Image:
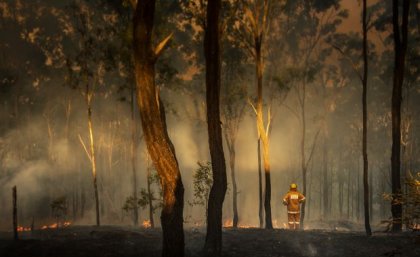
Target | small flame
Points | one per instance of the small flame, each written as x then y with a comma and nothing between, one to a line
22,229
229,224
147,224
56,225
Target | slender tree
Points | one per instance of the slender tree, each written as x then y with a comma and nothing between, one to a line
153,120
213,245
364,103
400,49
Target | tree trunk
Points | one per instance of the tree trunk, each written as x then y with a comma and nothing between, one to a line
364,102
325,176
400,47
232,156
348,193
155,132
358,191
92,154
302,151
213,244
15,220
263,135
133,158
149,194
260,194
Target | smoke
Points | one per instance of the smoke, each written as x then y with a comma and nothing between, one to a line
40,150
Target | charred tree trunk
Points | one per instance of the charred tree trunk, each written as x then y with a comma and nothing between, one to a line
260,192
15,221
364,150
400,48
155,132
133,158
213,244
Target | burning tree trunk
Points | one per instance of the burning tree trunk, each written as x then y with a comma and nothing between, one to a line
153,120
400,48
213,245
364,100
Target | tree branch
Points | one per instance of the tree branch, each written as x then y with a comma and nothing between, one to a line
161,45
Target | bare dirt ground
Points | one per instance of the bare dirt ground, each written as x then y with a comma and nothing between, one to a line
113,241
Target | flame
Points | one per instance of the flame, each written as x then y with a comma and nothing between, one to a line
56,225
147,224
229,224
22,229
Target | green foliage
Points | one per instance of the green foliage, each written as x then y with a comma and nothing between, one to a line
203,180
130,204
144,199
410,200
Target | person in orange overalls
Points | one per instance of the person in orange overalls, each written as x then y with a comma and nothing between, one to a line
292,200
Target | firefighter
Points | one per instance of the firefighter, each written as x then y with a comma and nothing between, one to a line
292,200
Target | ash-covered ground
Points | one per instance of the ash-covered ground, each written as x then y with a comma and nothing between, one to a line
110,241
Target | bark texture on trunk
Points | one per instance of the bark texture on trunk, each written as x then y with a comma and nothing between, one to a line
364,103
400,48
153,120
213,244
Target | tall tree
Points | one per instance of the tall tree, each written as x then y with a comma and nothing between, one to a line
233,112
364,103
213,245
255,27
153,120
400,49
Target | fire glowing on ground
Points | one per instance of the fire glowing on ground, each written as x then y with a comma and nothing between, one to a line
229,224
23,229
147,224
56,225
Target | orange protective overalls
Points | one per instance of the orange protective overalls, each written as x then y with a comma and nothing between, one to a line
293,199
